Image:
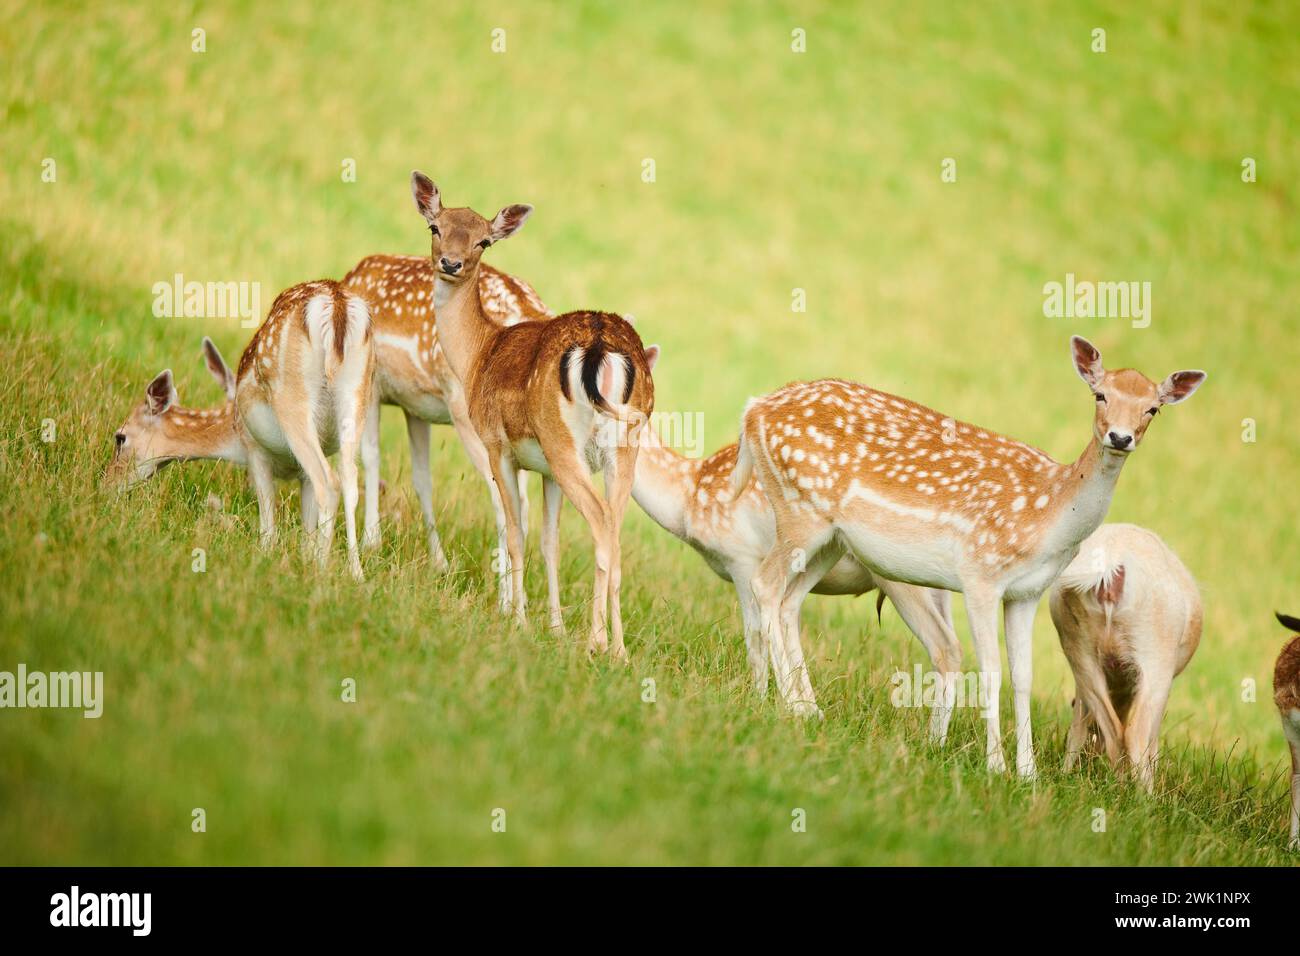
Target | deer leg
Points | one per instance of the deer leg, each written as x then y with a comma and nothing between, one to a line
982,609
308,503
262,476
1077,736
370,459
552,500
767,586
1293,738
523,501
300,434
507,481
478,457
824,556
571,474
1142,727
352,415
417,433
754,647
619,472
1019,619
931,621
1093,696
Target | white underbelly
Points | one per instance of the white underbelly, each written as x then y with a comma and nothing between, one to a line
927,558
422,403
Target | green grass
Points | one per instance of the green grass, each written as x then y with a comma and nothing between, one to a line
775,170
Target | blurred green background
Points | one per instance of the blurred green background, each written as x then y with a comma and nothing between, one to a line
774,171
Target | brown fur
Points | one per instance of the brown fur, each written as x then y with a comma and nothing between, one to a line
1286,678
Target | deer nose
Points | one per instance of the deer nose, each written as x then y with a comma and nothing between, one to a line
1120,441
449,267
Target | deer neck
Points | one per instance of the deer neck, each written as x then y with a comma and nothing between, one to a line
209,433
1090,484
464,331
664,482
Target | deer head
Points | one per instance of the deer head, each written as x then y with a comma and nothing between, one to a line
459,236
1126,399
141,445
158,431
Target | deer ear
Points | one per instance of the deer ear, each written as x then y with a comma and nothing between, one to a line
161,393
1289,622
218,367
425,192
508,221
1087,361
1179,386
651,356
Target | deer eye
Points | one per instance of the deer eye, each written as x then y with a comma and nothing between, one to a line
485,243
1153,411
120,439
1098,396
434,230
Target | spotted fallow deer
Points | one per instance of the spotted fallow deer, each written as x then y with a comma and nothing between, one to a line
1286,694
301,393
1128,614
921,498
412,373
691,499
564,398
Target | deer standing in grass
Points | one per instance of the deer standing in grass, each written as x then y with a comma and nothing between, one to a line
924,499
691,499
1286,694
1128,614
564,398
412,372
301,393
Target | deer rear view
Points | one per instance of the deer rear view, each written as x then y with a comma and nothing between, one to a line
564,398
1128,614
301,393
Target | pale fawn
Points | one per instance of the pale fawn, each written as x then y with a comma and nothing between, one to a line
691,499
928,500
1128,614
412,373
1286,694
564,398
301,393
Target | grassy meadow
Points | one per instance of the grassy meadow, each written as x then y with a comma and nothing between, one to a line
774,171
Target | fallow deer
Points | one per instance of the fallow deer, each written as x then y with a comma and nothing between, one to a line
1128,614
412,373
924,499
690,499
301,393
1286,694
563,398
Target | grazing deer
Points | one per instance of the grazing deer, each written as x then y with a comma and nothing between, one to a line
1286,694
691,499
1128,614
412,373
930,501
301,393
564,398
